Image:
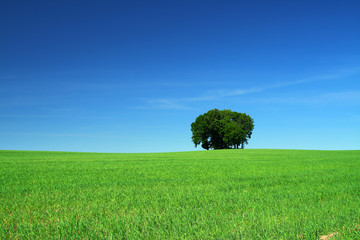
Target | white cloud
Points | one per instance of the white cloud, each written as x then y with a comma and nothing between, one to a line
220,94
334,98
164,104
51,116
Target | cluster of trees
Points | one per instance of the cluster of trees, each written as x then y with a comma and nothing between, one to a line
221,129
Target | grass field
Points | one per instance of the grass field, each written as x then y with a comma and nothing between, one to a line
225,194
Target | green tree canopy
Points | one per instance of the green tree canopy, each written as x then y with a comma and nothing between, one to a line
220,129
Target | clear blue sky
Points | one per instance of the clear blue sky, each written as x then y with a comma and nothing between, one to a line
131,76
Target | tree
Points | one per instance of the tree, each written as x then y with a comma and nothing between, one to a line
220,129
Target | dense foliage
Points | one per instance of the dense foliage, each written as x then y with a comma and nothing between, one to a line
221,129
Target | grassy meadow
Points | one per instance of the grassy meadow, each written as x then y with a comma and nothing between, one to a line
224,194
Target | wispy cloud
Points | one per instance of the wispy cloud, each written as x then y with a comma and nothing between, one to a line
344,97
40,134
333,98
96,135
164,104
51,116
220,94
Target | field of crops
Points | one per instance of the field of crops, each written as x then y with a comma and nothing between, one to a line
225,194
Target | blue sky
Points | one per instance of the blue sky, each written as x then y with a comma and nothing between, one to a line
131,76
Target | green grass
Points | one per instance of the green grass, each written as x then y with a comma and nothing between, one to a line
226,194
